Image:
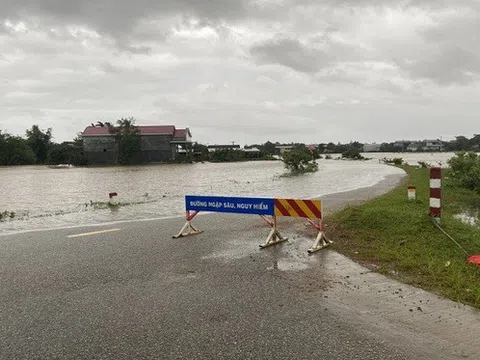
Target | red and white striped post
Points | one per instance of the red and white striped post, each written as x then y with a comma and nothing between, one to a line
112,200
435,193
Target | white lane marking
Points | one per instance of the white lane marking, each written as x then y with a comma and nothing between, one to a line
93,233
109,223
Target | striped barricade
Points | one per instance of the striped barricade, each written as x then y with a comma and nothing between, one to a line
269,209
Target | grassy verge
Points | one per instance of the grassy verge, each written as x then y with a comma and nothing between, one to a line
396,237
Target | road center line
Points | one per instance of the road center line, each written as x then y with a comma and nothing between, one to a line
93,233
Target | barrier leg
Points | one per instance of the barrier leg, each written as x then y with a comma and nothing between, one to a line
188,229
274,237
321,241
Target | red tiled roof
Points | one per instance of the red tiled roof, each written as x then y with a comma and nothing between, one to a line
155,129
91,131
144,130
180,133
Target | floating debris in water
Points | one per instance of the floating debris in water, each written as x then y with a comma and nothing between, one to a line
101,205
6,215
86,207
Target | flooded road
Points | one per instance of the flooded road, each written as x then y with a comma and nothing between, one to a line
136,293
38,197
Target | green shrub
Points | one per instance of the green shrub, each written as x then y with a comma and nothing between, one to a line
227,155
352,153
466,170
297,161
395,161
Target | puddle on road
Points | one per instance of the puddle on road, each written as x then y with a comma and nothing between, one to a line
289,256
288,265
233,251
278,258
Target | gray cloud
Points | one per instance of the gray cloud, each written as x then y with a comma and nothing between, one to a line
434,4
138,49
451,52
447,65
291,53
296,70
119,17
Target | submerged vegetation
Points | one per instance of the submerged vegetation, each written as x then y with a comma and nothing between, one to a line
300,161
6,215
394,161
102,205
89,206
423,164
352,153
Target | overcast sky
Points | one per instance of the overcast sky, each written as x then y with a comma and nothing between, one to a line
244,71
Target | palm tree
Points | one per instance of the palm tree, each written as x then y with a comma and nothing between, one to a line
127,137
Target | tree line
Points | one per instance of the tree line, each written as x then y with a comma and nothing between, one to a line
460,143
37,147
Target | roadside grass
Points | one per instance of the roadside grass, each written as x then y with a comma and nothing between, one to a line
396,237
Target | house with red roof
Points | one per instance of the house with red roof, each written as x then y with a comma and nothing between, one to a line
159,143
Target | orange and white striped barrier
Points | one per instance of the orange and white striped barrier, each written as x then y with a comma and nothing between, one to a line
268,209
310,210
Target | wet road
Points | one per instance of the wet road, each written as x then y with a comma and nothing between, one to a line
136,293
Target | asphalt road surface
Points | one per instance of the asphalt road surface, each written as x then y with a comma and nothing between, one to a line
130,291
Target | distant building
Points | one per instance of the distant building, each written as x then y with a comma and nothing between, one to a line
212,148
432,145
252,150
371,147
283,148
159,143
414,146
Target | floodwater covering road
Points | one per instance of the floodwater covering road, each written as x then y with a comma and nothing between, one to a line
39,197
130,291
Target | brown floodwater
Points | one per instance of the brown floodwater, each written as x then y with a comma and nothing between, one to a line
39,197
